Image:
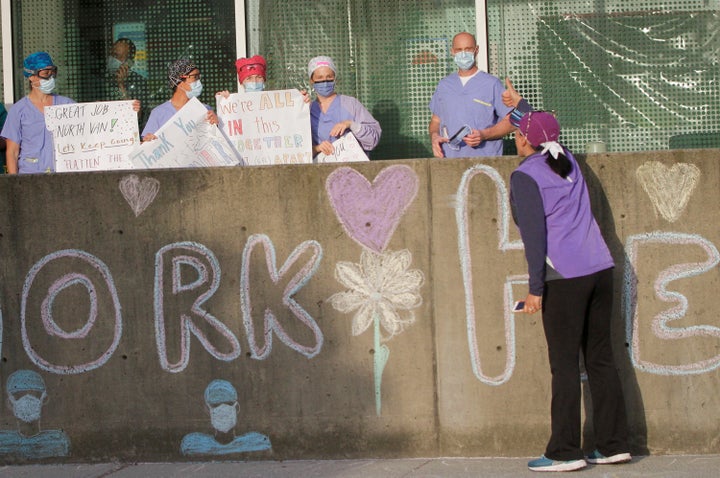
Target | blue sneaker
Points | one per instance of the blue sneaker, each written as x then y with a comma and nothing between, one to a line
597,458
546,464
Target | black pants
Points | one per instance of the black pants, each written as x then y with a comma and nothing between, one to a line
576,316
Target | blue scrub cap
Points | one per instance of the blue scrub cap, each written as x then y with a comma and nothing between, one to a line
25,381
220,391
36,62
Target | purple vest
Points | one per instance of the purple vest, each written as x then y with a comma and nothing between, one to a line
575,246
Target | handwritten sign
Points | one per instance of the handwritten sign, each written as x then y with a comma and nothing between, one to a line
269,127
93,136
347,149
187,140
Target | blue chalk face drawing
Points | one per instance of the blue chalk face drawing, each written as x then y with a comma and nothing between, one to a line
223,407
26,394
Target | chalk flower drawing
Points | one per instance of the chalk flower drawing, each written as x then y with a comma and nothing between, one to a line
382,291
381,286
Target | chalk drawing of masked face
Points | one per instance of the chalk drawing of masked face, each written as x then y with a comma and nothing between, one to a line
224,417
221,402
27,408
26,395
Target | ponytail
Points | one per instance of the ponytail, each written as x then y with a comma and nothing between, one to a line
560,165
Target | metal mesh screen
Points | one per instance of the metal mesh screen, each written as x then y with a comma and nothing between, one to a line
637,75
79,35
389,55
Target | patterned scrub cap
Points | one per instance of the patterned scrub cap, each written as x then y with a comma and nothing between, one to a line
178,69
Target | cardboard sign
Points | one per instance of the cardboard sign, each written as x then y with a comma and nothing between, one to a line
187,140
93,136
269,127
347,150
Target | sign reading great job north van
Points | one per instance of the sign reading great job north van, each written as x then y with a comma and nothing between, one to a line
93,136
187,140
269,127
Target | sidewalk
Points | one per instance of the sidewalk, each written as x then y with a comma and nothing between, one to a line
668,466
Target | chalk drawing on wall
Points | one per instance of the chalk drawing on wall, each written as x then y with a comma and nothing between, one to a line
370,213
382,290
139,194
221,403
189,257
669,189
662,326
107,293
270,323
26,395
504,244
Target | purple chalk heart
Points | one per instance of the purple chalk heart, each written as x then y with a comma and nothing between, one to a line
369,213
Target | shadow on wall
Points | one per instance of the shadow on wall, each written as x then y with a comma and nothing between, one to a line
633,397
393,144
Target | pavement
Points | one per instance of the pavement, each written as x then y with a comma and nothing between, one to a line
666,466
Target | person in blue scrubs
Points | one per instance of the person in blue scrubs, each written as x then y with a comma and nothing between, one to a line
333,115
222,404
29,144
468,102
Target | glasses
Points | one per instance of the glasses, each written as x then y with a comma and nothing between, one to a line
47,73
194,77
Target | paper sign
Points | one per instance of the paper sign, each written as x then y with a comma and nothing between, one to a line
187,140
93,136
269,127
347,150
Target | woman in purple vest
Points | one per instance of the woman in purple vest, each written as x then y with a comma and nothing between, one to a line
571,281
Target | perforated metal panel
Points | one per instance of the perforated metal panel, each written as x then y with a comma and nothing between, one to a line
638,75
389,55
79,35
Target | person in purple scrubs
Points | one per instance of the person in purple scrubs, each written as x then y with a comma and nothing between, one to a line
29,144
333,115
468,115
184,81
571,281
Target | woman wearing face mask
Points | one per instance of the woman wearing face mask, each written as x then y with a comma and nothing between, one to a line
184,80
332,115
252,75
29,144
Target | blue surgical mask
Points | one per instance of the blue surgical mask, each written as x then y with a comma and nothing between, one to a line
254,86
464,60
324,88
195,89
47,86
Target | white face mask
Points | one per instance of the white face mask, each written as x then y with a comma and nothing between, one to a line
47,86
27,408
224,417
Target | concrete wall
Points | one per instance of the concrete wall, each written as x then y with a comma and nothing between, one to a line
128,293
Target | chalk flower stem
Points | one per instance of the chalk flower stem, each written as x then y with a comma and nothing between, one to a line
382,291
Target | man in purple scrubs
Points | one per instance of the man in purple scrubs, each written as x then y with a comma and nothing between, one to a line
468,115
